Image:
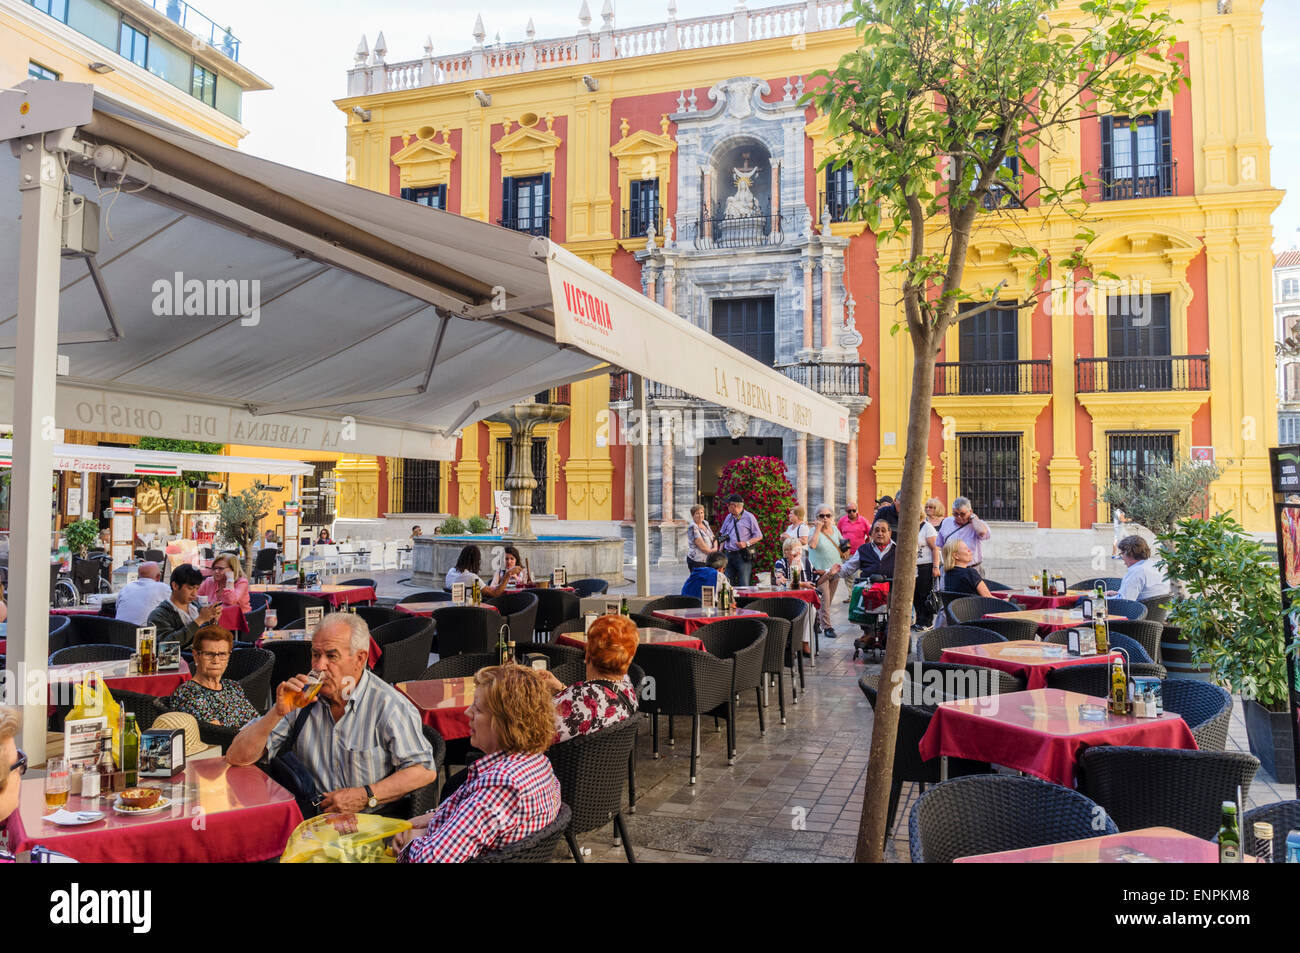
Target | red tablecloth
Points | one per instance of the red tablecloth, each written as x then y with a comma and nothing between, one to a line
442,703
246,817
160,686
1040,732
807,595
685,641
1003,657
1038,600
74,610
694,618
1151,844
335,595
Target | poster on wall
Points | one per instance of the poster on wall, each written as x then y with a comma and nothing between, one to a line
1285,465
122,530
502,500
290,513
74,501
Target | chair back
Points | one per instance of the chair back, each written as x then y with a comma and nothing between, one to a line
1136,651
256,622
553,607
60,632
742,640
465,629
155,556
359,581
984,814
1086,679
258,600
1165,787
101,630
1145,632
557,655
970,608
1013,630
519,609
252,668
592,770
686,681
264,562
428,595
650,622
1206,707
935,641
292,604
376,616
1129,608
1108,583
400,628
459,666
670,602
91,653
536,848
960,681
777,644
291,658
590,586
1157,607
403,660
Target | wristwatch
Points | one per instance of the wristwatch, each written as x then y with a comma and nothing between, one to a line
373,801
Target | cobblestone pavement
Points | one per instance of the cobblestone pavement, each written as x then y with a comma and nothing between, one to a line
794,793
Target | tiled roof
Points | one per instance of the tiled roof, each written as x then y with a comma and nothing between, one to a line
1288,259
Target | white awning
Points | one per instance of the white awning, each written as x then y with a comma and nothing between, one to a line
86,459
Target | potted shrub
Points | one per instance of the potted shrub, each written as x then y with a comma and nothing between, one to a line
478,524
81,535
1231,617
451,526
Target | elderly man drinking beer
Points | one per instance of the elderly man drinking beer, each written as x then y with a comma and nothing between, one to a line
361,740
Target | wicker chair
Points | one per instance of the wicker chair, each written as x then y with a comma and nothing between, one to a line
1157,608
583,588
425,799
360,581
570,672
996,586
776,656
1283,815
536,848
646,621
913,722
553,607
793,611
557,655
256,622
263,563
990,813
592,769
935,641
428,595
465,629
459,666
252,668
1206,708
1013,630
90,653
1165,787
1109,583
146,708
519,610
1087,679
670,602
744,640
1136,650
687,682
406,649
968,610
292,657
376,616
968,681
101,630
291,604
1128,608
1145,632
60,632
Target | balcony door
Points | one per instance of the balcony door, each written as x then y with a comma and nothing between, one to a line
1138,343
747,324
1137,156
988,346
525,204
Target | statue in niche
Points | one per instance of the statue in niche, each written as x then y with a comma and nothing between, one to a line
743,204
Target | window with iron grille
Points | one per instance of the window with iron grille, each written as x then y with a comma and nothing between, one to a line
417,486
988,346
841,191
505,460
643,208
526,204
1137,156
748,324
1131,455
988,474
1137,327
318,495
434,196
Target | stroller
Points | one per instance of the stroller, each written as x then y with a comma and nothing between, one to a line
869,608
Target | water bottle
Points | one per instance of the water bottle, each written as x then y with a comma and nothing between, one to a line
1293,847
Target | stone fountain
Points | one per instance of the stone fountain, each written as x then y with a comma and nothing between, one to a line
523,420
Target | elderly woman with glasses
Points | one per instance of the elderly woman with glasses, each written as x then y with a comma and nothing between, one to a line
228,588
207,696
824,553
13,765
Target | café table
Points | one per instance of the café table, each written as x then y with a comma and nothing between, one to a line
643,636
694,618
1028,660
442,703
302,635
1150,845
1034,598
115,677
245,818
428,608
333,594
75,610
597,603
809,596
1041,731
1052,620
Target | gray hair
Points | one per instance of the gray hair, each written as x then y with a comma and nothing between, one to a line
961,503
827,506
358,631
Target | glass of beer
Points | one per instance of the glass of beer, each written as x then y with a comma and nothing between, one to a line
303,698
56,784
271,619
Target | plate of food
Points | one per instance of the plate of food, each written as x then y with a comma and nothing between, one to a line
138,802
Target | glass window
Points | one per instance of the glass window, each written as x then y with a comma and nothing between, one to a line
95,19
37,71
169,62
55,8
748,324
841,192
1137,156
433,197
204,85
988,474
643,209
1134,454
229,97
988,348
134,45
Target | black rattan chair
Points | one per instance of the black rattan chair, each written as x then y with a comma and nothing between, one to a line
1205,707
583,588
459,666
985,814
60,632
557,655
359,581
465,629
570,672
376,616
252,668
1128,608
428,595
592,770
793,611
1087,679
745,641
405,649
686,682
1145,632
519,610
256,622
1165,787
553,607
996,586
643,621
1283,815
1157,608
292,657
90,653
967,610
1013,630
1135,649
536,848
146,708
425,799
1109,583
966,681
101,630
776,653
292,604
264,564
935,641
670,602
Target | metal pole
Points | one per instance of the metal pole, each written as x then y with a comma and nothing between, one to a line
641,485
40,183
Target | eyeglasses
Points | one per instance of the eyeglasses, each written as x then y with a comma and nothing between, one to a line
20,765
214,656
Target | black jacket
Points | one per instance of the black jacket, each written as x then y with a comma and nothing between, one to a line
171,627
871,564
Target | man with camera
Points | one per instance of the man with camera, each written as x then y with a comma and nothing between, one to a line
739,534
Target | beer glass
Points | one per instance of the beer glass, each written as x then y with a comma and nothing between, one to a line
303,698
56,784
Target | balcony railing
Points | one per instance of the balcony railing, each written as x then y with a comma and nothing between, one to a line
620,389
829,378
713,230
181,13
531,224
637,221
999,196
992,377
556,395
840,204
1153,180
1111,374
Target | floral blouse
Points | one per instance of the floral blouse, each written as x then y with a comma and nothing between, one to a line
229,707
589,706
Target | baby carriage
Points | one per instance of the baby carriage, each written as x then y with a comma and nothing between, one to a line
869,608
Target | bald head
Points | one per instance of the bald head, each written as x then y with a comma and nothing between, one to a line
150,571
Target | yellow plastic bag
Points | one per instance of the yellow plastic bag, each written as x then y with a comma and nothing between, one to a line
92,699
344,839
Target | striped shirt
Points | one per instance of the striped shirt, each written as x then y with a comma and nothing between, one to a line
505,798
378,735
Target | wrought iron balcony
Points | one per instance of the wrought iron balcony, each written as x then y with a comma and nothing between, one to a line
1146,180
713,230
637,221
1115,374
532,224
829,378
842,204
620,389
992,377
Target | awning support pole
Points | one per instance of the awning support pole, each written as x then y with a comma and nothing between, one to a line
40,184
641,484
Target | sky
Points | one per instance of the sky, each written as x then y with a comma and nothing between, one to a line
304,50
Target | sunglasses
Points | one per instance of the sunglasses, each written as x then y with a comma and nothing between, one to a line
823,516
20,765
852,511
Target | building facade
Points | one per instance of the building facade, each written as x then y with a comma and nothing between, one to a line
676,156
1286,328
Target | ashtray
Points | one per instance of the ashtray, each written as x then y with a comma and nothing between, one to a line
1092,712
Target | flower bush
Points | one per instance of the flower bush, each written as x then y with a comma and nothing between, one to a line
762,484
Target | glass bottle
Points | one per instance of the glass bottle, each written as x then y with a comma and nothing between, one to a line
1229,838
1263,832
1118,689
131,751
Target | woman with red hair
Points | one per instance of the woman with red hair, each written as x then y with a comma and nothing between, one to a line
606,696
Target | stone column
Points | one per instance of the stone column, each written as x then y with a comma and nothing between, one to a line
807,265
827,294
775,233
828,473
628,463
851,463
666,466
667,282
801,469
706,212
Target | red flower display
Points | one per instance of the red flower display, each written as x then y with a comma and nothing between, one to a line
762,484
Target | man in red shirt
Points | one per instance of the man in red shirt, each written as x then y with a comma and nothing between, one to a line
853,526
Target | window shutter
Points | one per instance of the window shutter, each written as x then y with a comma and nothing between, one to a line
442,196
545,223
1107,154
406,194
1164,136
508,202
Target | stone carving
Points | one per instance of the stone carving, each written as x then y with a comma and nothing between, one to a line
743,204
849,337
650,237
737,423
668,233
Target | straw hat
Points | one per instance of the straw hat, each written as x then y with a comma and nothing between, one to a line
194,745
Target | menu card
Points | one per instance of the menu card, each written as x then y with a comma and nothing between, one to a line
81,743
169,656
708,597
458,593
611,608
587,619
557,578
311,617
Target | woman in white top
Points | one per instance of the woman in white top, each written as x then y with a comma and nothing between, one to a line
467,571
512,571
928,565
700,538
798,528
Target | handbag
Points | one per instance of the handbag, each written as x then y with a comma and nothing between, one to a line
933,602
288,771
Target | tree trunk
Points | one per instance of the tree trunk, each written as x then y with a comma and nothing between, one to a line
884,733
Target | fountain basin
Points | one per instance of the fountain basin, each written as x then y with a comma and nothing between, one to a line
583,557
